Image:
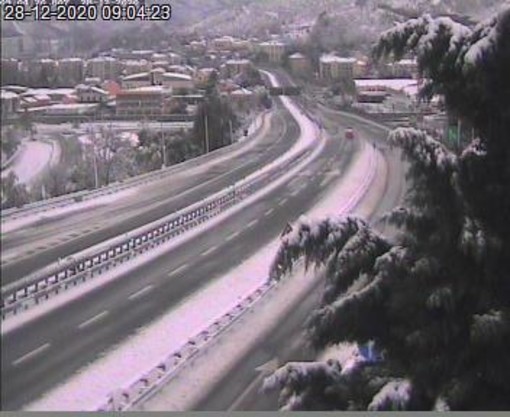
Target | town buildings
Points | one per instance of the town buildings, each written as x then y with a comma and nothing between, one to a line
332,67
274,50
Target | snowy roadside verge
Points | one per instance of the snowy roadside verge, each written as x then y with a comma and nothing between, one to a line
35,291
16,218
193,383
259,127
141,351
70,395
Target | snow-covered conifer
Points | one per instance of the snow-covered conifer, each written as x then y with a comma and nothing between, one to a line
435,300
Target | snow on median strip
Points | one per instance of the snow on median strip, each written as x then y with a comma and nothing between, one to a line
142,351
195,381
307,138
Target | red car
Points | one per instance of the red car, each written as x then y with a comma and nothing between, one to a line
349,133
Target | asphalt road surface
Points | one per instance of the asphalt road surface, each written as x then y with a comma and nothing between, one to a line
49,349
32,247
240,389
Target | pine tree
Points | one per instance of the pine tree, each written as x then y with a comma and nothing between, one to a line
435,300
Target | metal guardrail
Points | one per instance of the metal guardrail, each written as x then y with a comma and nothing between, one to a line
143,387
68,199
78,268
150,382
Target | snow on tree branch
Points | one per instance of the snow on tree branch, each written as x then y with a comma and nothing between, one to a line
304,385
394,396
482,41
317,241
423,35
423,149
489,327
337,321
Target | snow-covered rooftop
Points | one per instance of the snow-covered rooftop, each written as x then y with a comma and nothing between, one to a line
176,76
330,58
7,95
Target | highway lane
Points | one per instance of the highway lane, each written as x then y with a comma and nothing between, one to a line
239,390
35,246
49,349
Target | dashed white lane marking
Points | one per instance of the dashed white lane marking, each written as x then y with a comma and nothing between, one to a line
31,354
92,320
267,213
232,236
325,181
252,223
141,292
209,251
180,269
283,202
295,192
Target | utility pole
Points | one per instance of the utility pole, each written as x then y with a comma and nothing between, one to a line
92,137
206,134
163,147
231,133
96,175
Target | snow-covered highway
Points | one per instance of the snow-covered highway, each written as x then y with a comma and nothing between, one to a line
49,350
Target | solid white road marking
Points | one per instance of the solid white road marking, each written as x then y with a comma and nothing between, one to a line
141,292
31,354
92,320
180,269
209,251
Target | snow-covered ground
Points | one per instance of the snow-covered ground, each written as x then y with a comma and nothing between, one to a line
405,85
32,160
193,382
17,223
111,371
261,121
130,137
146,348
76,292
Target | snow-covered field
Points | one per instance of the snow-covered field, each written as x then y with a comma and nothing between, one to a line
32,160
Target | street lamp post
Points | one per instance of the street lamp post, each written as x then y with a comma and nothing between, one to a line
94,156
206,134
163,148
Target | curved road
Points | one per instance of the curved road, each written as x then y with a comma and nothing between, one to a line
44,352
32,247
239,390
